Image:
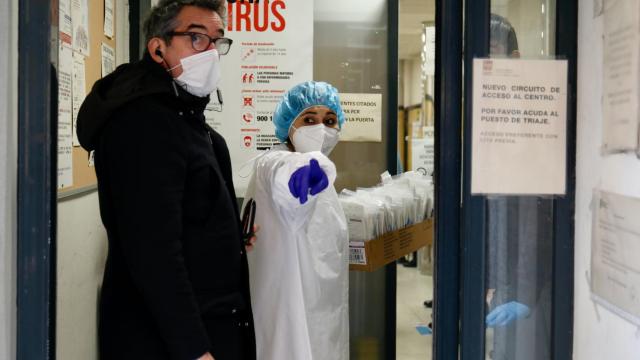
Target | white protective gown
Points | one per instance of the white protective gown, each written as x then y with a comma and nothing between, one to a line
299,266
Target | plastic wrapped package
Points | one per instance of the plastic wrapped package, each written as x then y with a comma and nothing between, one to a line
360,219
391,209
423,188
399,201
403,193
367,215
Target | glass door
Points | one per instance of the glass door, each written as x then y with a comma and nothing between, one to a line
517,271
416,65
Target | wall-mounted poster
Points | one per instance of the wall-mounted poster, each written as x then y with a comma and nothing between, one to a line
65,124
272,51
621,69
363,117
519,127
615,248
80,22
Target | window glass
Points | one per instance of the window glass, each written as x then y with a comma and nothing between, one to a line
520,229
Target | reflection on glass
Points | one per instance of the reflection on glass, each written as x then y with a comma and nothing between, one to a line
519,229
519,278
350,52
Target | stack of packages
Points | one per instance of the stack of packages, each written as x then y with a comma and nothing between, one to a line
398,202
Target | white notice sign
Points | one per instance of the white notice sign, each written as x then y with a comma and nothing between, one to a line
429,51
78,92
519,126
363,117
65,127
64,21
108,59
80,22
108,18
615,249
422,153
621,71
272,51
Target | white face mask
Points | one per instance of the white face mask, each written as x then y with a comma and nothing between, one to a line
315,138
200,73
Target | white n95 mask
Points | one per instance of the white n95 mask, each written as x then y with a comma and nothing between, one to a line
315,138
200,73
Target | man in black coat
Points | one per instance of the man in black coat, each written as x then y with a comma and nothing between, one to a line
176,278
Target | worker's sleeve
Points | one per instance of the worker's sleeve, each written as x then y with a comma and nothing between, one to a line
276,168
146,164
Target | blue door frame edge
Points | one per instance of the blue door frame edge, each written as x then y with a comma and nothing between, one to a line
392,163
477,17
37,144
448,145
564,208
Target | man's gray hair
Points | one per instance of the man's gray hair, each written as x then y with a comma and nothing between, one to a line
162,19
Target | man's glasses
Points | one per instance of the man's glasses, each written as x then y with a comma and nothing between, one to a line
201,42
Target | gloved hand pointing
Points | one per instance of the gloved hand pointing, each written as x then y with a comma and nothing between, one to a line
309,179
507,313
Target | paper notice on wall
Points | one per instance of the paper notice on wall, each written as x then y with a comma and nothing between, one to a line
80,22
363,117
108,59
621,73
519,127
272,51
615,249
429,51
422,153
108,18
78,91
65,126
64,21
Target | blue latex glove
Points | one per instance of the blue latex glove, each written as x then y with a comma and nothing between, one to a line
309,179
505,314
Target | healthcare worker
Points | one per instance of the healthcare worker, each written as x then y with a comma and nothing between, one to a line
299,269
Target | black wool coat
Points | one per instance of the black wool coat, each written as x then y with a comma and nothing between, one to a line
176,277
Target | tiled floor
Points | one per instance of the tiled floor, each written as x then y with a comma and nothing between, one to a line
413,289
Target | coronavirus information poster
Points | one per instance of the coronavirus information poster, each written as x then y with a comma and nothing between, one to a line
272,51
519,127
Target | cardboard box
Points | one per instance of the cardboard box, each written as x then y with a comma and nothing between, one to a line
374,254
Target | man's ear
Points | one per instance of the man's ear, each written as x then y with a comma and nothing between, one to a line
156,48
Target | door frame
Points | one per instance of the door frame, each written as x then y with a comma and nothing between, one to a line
37,174
473,239
392,166
447,180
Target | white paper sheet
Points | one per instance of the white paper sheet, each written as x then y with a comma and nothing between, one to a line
78,91
621,73
363,113
519,127
422,153
429,50
615,246
108,18
64,21
108,59
80,21
65,126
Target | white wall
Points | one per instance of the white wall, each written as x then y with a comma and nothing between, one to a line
8,168
81,256
598,333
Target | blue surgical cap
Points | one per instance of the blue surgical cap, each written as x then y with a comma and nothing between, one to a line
302,97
